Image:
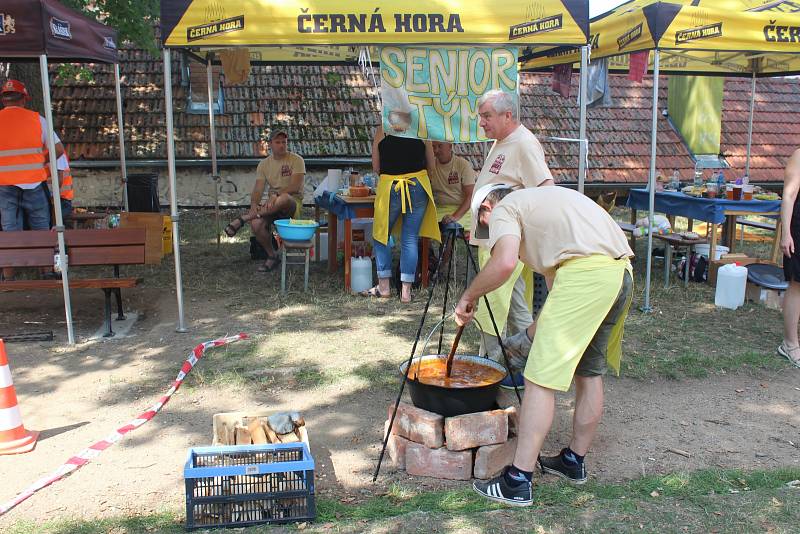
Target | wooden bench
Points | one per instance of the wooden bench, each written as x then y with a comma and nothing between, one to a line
113,248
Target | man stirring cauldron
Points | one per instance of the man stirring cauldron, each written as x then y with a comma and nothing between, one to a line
580,250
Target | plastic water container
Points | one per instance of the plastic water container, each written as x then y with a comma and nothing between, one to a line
704,248
361,274
731,285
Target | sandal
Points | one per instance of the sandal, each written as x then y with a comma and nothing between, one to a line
230,230
374,292
786,351
270,265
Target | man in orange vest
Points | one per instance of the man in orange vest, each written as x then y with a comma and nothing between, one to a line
65,183
23,163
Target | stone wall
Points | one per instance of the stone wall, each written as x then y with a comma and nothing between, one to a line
102,188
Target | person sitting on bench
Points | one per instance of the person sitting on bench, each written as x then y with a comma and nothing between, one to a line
284,173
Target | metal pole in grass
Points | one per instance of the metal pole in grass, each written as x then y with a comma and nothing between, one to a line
750,125
213,142
408,370
651,184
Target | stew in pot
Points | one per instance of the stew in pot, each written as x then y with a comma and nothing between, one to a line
464,374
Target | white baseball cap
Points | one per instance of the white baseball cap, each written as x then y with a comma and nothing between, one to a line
481,230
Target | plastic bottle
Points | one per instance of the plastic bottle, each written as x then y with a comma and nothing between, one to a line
360,274
675,181
698,178
731,285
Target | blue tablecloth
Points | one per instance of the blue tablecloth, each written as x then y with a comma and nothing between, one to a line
704,209
334,204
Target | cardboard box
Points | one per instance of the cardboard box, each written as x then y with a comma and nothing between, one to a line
153,223
771,298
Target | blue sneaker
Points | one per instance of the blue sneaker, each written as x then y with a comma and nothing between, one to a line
511,379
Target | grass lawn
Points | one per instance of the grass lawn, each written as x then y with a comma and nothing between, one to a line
704,501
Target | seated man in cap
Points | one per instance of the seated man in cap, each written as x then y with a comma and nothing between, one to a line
282,175
581,251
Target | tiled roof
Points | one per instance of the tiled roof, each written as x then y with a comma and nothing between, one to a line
331,112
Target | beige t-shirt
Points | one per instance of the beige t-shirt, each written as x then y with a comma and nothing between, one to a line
278,172
448,178
555,224
517,160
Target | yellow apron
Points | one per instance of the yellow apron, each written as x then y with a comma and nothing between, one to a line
401,182
500,298
584,290
449,209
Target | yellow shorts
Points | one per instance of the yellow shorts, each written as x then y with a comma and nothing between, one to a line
583,293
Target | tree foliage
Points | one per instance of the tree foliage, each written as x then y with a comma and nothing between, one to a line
135,20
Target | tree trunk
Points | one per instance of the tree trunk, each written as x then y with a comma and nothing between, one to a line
28,73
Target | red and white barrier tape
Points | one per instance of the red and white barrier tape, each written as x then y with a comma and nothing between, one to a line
89,454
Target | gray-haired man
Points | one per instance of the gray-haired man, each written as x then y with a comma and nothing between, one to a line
516,159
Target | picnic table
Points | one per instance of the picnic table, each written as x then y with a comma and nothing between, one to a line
714,211
348,208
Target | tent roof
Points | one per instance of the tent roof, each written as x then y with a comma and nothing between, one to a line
251,23
724,37
30,28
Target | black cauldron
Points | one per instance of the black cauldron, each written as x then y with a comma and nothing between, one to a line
450,402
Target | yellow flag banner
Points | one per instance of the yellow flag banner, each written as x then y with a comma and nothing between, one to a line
432,92
211,23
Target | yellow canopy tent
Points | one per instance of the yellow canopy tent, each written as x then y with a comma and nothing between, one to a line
335,31
755,38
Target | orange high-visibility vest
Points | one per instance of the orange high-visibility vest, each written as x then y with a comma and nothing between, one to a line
22,156
66,183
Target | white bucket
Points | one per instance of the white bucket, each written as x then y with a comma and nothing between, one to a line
731,285
360,274
704,248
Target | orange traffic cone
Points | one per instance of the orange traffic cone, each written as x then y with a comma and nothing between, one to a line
14,439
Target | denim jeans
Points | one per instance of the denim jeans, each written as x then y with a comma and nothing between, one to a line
33,204
409,235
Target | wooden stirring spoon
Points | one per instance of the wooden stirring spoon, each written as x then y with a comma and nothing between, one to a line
453,350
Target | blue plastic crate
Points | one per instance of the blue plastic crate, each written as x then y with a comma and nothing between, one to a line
237,486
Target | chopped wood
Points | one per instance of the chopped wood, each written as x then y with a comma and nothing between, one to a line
272,437
289,438
680,452
257,433
243,436
303,434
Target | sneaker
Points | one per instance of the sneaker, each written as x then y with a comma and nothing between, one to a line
498,490
511,379
555,465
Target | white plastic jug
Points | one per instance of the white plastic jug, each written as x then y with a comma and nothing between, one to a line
731,285
360,274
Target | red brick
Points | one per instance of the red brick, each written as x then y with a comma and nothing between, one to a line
513,420
396,447
438,463
491,459
418,425
476,429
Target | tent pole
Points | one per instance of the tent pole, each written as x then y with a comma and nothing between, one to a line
584,143
122,164
173,198
59,226
750,123
651,184
213,136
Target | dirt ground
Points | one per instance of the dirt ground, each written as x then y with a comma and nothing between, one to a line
334,358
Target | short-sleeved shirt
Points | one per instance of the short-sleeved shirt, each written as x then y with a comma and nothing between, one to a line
278,172
517,160
448,178
556,224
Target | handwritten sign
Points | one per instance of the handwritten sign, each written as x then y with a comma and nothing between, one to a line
432,92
